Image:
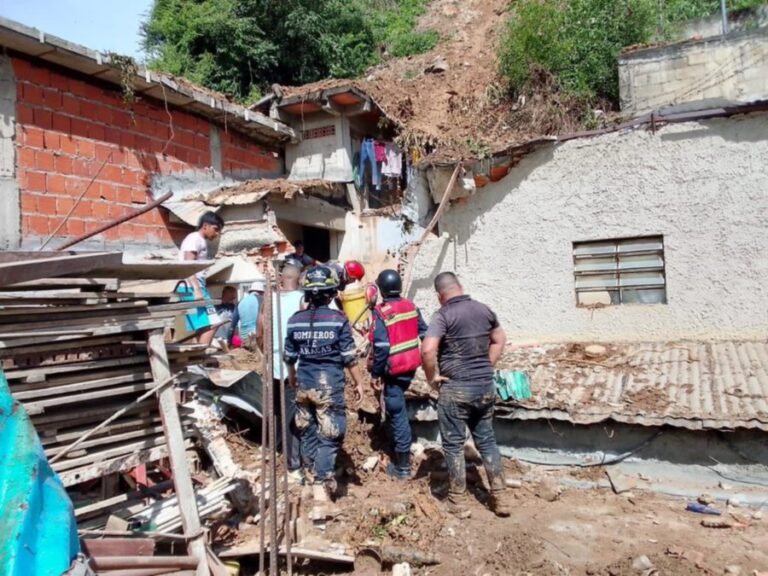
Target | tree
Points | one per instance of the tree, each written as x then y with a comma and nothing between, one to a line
240,47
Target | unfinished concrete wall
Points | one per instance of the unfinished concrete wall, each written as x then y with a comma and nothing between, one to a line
703,186
734,68
10,204
322,151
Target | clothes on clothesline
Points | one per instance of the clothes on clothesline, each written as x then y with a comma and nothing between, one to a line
393,160
368,154
379,150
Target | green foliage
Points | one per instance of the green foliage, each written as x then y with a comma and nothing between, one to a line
578,41
240,47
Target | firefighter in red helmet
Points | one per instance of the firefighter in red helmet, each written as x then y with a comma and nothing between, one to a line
393,361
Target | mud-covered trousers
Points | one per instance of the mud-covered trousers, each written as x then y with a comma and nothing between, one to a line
322,421
464,405
397,414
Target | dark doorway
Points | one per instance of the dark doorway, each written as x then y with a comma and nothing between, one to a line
317,243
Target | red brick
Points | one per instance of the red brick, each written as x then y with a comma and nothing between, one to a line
138,196
127,140
75,227
112,134
101,211
64,205
60,82
107,192
104,115
68,145
28,203
62,123
37,224
52,99
86,149
103,152
83,209
122,119
112,173
77,87
26,157
52,141
80,127
21,68
82,167
32,94
56,183
40,75
70,105
33,137
45,161
25,114
96,132
34,181
43,118
46,205
117,211
64,165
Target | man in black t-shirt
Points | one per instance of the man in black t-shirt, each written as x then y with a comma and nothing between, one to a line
462,344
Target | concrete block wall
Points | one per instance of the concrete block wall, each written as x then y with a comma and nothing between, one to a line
71,130
733,68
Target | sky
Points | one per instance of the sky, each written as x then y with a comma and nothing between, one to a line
103,25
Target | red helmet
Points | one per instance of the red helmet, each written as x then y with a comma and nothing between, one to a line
354,270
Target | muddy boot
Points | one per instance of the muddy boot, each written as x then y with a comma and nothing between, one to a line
400,467
458,505
500,503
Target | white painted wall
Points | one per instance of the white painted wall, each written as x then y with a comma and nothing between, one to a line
326,157
704,186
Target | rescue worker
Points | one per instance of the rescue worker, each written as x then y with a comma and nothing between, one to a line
319,340
463,343
346,273
396,329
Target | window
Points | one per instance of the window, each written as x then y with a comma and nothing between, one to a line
622,271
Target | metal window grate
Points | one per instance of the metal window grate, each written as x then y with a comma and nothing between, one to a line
620,271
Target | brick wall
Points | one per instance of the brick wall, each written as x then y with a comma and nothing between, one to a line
734,68
74,134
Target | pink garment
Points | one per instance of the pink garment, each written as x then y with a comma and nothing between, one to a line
380,151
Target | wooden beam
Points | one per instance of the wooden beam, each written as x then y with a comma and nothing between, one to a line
83,264
182,480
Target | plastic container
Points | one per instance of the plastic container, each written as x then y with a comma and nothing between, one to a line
513,385
233,568
702,509
354,304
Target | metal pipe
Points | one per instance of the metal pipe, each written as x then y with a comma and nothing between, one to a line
724,14
273,546
266,377
117,221
285,426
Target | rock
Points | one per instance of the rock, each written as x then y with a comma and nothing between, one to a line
370,463
757,515
620,482
641,564
735,502
439,66
402,569
548,490
705,499
724,485
733,570
513,483
595,351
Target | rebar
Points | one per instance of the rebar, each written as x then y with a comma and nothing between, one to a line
285,426
265,387
274,549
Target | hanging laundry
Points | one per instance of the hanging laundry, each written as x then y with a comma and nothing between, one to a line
368,154
380,151
393,162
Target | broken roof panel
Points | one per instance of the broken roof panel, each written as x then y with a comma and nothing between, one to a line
694,385
252,191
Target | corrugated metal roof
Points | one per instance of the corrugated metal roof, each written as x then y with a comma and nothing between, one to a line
693,385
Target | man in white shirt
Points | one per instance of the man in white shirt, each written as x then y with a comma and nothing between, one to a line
195,247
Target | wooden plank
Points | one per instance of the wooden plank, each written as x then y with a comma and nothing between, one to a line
10,347
89,510
90,284
100,455
149,269
252,549
120,464
98,394
83,376
182,479
61,347
130,423
60,310
88,322
77,367
34,391
109,439
118,546
81,264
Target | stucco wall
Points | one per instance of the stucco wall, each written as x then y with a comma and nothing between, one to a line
704,186
320,156
734,68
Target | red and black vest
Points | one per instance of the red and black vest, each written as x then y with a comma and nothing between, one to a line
402,322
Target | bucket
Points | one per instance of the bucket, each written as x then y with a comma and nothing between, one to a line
233,568
354,304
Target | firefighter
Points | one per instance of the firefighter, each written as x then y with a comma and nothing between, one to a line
318,347
394,358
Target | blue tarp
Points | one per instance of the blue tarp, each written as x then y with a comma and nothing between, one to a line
38,533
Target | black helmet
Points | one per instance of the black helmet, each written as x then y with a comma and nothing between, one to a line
319,280
390,283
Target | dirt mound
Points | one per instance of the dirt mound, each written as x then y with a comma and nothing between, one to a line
453,98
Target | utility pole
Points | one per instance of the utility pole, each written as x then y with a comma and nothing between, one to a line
724,13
